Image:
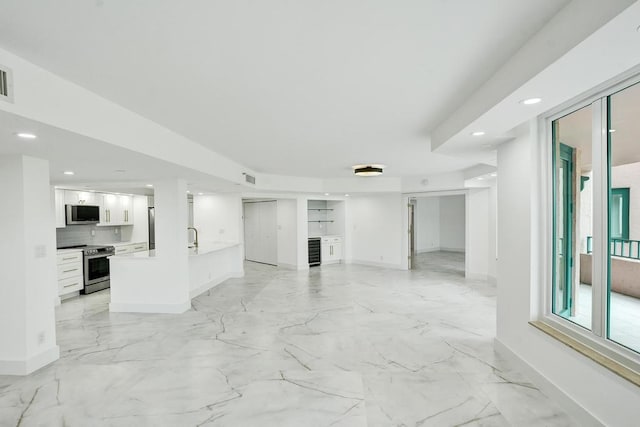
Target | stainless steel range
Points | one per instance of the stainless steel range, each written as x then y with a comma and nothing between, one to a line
96,267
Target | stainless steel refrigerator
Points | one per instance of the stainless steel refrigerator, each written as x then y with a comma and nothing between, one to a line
152,228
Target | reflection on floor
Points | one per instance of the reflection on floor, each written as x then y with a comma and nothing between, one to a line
625,316
440,262
338,345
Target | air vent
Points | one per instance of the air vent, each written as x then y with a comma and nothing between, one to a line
6,84
250,179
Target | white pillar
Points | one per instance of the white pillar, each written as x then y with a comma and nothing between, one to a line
477,233
28,284
157,282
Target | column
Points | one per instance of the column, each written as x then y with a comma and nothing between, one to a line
157,281
28,285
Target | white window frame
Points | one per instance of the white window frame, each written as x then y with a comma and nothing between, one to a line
596,337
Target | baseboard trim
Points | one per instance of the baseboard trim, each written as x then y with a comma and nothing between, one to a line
26,367
425,251
459,250
563,400
375,264
150,308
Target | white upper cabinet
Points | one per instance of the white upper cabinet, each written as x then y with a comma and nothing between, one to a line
72,197
116,209
126,208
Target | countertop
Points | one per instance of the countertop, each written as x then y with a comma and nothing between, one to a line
68,251
118,244
202,249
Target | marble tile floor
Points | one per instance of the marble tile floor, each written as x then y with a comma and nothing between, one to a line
339,345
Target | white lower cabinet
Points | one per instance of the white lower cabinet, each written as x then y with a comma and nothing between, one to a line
70,272
331,250
130,248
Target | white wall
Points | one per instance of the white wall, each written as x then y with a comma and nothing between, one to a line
427,224
287,234
477,238
375,229
452,223
571,379
218,217
492,252
28,284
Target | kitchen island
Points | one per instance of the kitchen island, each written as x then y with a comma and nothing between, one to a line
141,281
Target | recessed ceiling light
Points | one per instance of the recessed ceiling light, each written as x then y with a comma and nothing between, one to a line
346,195
368,170
478,133
188,191
200,194
26,135
68,172
149,185
480,178
531,101
326,194
494,174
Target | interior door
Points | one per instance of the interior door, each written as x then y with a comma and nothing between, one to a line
260,232
269,232
251,231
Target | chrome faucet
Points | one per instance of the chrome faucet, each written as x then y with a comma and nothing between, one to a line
195,242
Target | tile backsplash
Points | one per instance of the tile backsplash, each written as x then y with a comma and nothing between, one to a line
81,235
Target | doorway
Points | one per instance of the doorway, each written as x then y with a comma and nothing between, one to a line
437,234
260,232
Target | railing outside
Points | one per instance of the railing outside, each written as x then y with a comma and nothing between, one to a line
623,248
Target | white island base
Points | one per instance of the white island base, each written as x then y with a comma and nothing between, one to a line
142,282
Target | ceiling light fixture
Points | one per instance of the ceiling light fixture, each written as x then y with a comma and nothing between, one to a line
478,133
200,194
25,135
346,195
68,172
494,174
368,170
326,194
531,101
149,185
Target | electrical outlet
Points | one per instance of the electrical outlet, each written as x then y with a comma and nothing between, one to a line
115,230
41,337
93,232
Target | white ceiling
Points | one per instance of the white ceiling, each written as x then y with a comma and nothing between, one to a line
96,165
303,88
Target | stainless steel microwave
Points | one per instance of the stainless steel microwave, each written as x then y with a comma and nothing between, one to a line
82,214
